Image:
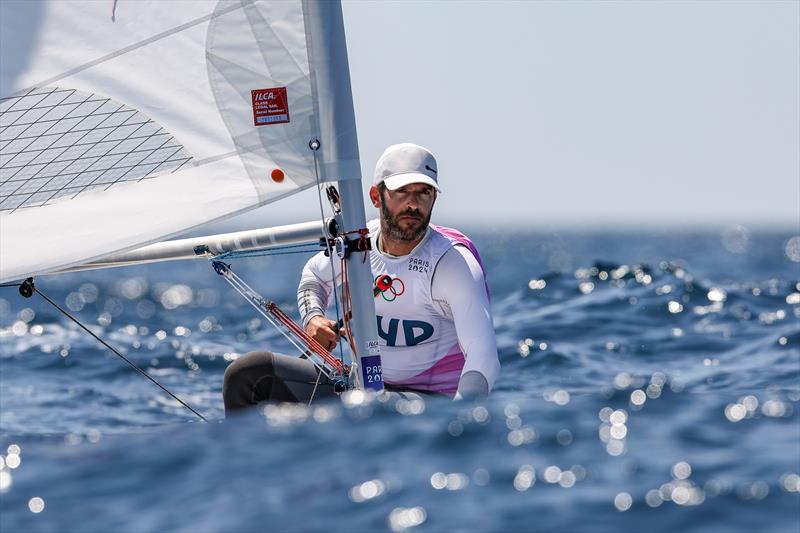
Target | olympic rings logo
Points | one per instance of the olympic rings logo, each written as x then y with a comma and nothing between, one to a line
386,285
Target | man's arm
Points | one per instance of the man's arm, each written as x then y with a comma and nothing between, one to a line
458,286
313,294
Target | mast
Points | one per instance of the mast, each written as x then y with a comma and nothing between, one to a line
339,160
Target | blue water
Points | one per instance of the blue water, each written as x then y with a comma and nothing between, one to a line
650,382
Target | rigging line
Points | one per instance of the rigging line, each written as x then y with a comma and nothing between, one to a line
313,392
339,318
134,46
309,248
261,305
131,363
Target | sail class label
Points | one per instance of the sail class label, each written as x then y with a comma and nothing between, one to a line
270,106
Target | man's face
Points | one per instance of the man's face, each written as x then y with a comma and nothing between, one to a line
405,212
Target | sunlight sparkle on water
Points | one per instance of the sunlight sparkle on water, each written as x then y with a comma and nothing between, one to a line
19,328
410,407
615,447
325,413
456,481
638,397
537,284
404,518
525,478
681,470
286,414
480,414
36,504
524,435
586,287
653,498
13,461
5,480
552,474
776,408
367,490
455,428
567,479
623,501
564,437
559,397
674,307
176,296
622,381
618,417
735,412
513,422
790,482
792,249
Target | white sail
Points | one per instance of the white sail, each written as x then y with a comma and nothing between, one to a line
123,123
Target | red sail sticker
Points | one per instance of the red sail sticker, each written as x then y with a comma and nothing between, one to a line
270,106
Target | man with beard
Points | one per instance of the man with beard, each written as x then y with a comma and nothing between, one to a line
432,303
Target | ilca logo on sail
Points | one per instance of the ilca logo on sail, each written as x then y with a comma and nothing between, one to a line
270,106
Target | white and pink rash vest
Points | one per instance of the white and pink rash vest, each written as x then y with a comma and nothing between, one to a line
426,323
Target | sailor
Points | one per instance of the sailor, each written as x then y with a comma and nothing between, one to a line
432,301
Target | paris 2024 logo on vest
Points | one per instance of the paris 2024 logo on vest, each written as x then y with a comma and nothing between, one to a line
414,331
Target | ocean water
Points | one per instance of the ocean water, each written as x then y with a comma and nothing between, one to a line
650,382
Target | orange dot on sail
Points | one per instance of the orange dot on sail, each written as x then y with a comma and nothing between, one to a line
277,175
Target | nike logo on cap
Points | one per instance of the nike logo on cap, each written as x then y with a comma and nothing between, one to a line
431,169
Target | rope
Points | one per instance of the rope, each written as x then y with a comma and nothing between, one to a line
295,249
275,315
341,317
314,392
131,363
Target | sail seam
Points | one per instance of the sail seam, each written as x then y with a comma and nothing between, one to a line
137,45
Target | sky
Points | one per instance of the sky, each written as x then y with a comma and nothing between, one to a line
607,114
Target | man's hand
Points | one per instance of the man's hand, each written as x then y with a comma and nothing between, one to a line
323,331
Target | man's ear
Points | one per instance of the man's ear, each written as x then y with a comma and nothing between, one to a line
375,196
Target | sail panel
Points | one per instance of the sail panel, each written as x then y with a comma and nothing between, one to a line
260,51
74,231
70,142
124,123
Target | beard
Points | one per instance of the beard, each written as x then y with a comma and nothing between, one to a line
390,225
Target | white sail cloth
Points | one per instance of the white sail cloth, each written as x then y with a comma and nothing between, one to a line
145,119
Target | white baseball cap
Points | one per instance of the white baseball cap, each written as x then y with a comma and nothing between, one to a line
405,163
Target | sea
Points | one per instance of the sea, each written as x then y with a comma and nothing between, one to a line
650,383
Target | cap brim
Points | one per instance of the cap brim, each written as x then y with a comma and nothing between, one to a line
401,180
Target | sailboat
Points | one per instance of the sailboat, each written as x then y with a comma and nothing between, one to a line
124,124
